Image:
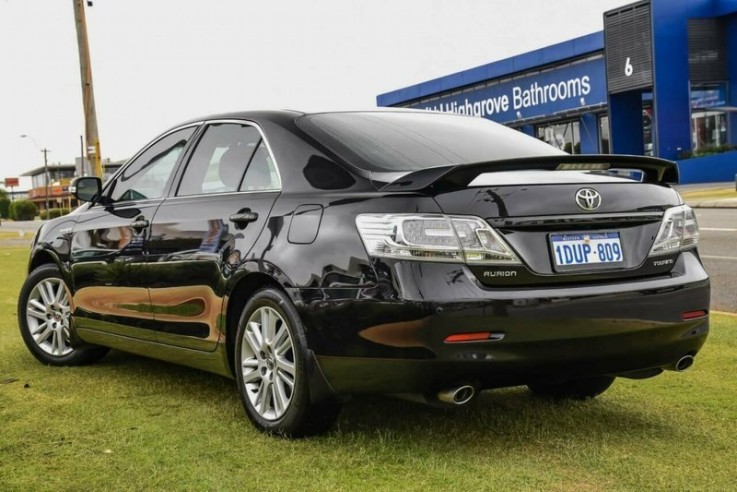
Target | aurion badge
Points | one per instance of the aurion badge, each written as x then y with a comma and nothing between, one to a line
588,199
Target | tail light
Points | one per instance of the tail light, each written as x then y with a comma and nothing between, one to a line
679,231
434,238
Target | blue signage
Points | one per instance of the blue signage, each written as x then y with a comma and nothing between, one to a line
709,97
541,94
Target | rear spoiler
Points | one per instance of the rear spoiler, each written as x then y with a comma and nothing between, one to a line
456,176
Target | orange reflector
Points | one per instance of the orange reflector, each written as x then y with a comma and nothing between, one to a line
693,314
468,337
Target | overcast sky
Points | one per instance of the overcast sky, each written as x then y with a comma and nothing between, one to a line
158,62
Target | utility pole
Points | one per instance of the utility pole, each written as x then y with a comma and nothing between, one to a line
88,94
46,178
45,152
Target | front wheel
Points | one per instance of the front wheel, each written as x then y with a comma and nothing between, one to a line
271,369
575,389
44,318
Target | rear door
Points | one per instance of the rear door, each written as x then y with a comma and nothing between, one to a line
108,259
206,228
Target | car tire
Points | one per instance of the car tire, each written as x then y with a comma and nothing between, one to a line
44,318
271,368
574,389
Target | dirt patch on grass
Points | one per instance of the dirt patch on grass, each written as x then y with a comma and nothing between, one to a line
714,194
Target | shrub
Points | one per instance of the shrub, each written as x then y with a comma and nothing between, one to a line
23,210
53,213
4,208
710,150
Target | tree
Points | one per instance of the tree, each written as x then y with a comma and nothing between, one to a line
4,206
23,210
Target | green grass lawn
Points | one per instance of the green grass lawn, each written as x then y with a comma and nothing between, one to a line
137,424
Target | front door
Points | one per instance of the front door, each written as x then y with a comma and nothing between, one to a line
201,234
108,249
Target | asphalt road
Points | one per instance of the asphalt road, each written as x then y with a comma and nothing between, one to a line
22,225
717,246
718,249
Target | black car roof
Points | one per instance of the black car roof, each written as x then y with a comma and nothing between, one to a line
248,115
281,114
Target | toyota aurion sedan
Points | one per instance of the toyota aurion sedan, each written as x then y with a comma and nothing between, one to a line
423,255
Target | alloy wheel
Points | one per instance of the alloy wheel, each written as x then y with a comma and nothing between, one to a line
268,363
48,315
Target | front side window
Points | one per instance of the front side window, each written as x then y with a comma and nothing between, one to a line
220,159
147,175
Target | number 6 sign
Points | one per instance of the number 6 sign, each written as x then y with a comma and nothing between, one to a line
628,67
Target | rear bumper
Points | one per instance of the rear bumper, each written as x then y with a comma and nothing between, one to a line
392,340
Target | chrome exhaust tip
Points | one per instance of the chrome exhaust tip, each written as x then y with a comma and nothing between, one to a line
684,363
457,395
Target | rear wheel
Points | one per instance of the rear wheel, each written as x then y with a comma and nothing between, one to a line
271,369
575,389
44,318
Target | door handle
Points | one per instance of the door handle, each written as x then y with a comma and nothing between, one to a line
139,224
244,218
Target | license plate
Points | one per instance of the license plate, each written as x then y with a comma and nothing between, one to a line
573,250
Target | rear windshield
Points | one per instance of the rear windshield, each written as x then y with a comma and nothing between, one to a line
410,141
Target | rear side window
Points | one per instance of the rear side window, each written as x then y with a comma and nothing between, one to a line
220,159
409,141
147,175
261,174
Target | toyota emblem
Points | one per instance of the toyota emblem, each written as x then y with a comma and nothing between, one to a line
588,199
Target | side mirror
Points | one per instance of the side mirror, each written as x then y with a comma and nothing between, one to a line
86,189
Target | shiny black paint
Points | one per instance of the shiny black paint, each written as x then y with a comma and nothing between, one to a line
106,251
555,200
379,325
191,255
442,179
526,215
548,332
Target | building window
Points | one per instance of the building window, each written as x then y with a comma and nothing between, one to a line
565,136
708,129
59,174
708,121
647,128
38,180
604,135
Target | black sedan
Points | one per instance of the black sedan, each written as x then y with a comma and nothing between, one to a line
423,255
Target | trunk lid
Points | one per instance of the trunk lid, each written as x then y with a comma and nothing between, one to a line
535,205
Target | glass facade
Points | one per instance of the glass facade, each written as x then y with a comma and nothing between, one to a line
647,128
55,174
708,129
709,122
604,134
565,135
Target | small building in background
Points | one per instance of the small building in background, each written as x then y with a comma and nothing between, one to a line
60,177
17,195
